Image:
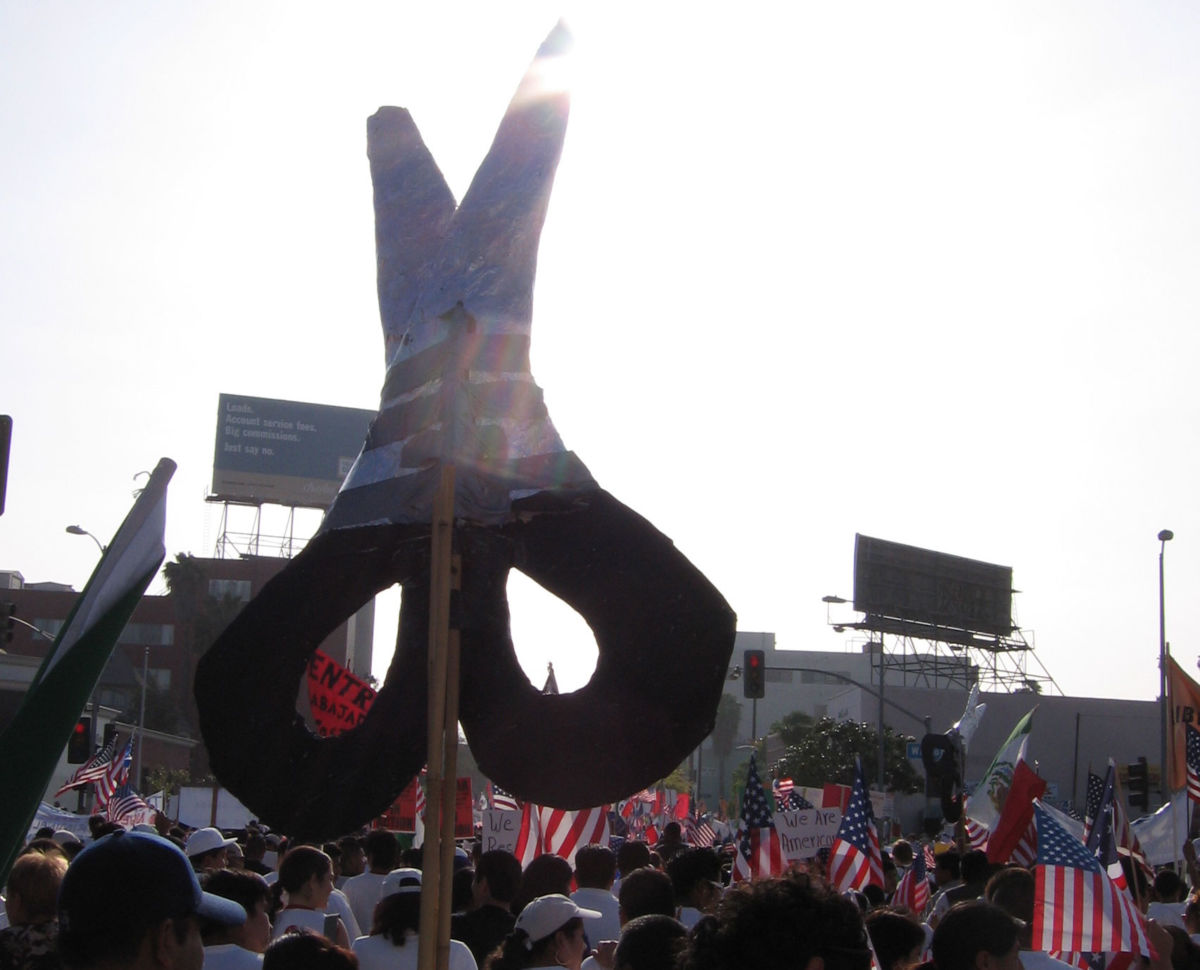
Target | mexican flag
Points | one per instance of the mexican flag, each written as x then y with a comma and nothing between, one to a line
37,735
987,800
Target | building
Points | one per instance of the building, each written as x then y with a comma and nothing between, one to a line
158,647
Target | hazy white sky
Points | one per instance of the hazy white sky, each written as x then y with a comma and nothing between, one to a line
922,271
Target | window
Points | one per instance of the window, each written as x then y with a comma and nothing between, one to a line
238,589
148,634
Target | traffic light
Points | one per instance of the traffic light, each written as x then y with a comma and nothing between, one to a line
1139,785
754,674
9,612
79,747
110,730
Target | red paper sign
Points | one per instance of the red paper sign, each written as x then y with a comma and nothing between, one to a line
338,698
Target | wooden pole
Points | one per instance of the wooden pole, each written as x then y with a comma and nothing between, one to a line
434,945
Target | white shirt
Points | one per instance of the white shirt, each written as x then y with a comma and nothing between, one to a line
362,892
230,956
338,903
300,919
608,926
380,953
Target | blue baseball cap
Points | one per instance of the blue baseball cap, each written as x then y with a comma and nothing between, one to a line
135,872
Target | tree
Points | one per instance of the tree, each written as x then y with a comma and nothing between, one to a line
825,751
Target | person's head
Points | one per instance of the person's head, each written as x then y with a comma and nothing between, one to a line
462,894
1185,955
946,867
545,875
1169,888
306,874
898,940
208,849
976,935
383,851
549,932
902,853
497,877
757,922
256,846
633,854
33,887
398,912
250,891
307,951
354,860
1012,889
595,867
649,943
974,867
132,900
696,876
646,892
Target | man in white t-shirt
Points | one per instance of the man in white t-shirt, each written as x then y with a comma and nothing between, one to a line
362,891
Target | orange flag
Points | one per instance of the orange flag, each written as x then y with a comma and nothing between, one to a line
1183,701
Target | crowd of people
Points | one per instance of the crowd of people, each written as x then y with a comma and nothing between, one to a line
207,900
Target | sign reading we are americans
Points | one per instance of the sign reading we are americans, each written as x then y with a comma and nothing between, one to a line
804,832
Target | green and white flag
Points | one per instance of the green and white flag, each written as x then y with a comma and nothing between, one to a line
986,801
32,743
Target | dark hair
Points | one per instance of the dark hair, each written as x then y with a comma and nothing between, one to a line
395,915
461,896
758,921
646,892
971,928
633,854
948,860
307,951
1012,889
244,887
595,866
1168,887
1185,955
518,951
502,871
894,936
544,875
300,865
974,866
648,943
382,850
902,852
691,867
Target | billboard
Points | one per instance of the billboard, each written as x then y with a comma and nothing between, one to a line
922,586
284,452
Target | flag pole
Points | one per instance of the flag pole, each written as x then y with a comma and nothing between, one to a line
433,947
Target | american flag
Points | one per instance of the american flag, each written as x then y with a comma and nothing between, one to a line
913,888
759,852
1193,763
700,833
553,831
126,806
782,787
855,861
1077,908
502,800
116,776
797,802
1091,805
977,834
95,768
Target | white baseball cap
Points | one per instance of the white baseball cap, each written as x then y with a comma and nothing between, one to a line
205,840
400,881
546,914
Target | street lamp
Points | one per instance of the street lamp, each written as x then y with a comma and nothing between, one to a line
1165,536
76,530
